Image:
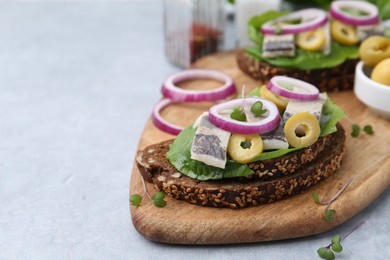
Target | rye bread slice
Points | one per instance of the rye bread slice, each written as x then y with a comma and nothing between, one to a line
326,80
238,193
289,163
264,170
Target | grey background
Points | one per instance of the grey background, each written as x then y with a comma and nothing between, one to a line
78,81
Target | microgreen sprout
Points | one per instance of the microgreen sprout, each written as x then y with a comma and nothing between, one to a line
355,130
327,252
257,108
278,29
238,114
329,213
243,98
157,199
368,129
135,200
246,144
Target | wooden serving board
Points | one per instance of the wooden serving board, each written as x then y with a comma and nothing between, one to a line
367,160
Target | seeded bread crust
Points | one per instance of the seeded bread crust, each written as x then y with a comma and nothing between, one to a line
238,193
326,80
264,170
287,164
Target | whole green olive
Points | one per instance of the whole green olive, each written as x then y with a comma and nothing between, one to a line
381,72
374,49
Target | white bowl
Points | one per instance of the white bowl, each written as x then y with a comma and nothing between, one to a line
373,94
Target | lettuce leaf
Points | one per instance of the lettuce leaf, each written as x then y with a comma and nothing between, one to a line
303,60
274,154
300,4
331,114
383,8
306,60
255,92
179,155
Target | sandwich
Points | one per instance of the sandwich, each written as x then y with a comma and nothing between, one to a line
312,45
278,141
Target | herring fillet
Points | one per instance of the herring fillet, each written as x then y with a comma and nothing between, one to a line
313,107
365,31
278,46
328,40
210,143
277,139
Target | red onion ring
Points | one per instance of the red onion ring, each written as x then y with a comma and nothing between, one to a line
312,18
160,122
337,13
301,90
169,90
266,125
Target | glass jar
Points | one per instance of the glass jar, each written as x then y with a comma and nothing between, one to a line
245,10
192,29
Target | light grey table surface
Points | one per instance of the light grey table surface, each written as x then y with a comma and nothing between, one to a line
78,81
